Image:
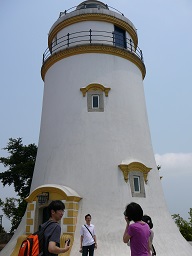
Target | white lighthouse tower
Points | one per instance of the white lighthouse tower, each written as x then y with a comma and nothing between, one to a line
95,152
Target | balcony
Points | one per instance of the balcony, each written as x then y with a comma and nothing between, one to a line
92,37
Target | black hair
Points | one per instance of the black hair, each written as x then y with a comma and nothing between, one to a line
148,220
88,215
133,211
55,205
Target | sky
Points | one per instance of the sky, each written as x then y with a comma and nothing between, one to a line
165,37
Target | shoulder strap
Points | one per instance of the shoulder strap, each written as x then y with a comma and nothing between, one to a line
49,222
153,248
89,231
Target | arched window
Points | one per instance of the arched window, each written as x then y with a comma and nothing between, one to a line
95,97
136,173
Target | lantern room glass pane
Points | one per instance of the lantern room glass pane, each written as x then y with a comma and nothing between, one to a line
119,37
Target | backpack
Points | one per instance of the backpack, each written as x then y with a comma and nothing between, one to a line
34,243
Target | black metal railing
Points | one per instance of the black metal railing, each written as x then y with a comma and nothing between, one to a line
74,8
92,37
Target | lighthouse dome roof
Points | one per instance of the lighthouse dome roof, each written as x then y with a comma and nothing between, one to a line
91,7
92,4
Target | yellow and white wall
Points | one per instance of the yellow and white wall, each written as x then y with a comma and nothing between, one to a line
89,159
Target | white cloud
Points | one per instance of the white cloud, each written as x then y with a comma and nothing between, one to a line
175,164
176,169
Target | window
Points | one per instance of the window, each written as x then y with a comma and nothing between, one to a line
85,6
136,174
95,101
54,41
92,4
119,37
95,96
136,184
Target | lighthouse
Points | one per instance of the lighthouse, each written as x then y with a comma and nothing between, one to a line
95,151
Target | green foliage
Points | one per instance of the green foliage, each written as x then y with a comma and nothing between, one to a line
184,226
20,166
14,210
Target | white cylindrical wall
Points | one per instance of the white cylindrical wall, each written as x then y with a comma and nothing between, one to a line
66,121
82,149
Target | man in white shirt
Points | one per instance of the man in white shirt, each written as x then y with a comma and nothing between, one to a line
88,237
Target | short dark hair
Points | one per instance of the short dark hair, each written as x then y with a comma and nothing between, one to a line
56,205
88,215
148,220
133,211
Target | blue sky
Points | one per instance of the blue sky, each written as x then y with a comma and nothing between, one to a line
164,31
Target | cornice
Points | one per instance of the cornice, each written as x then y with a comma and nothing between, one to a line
91,48
93,17
95,87
56,190
134,166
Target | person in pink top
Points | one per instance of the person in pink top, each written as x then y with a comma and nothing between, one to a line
137,232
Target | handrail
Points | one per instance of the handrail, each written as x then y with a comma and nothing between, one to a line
92,37
115,10
74,8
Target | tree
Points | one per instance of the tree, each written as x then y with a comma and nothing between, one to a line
184,226
20,164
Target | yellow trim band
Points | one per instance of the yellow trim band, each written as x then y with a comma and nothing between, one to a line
93,17
71,229
71,221
103,49
29,222
72,205
31,207
59,191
